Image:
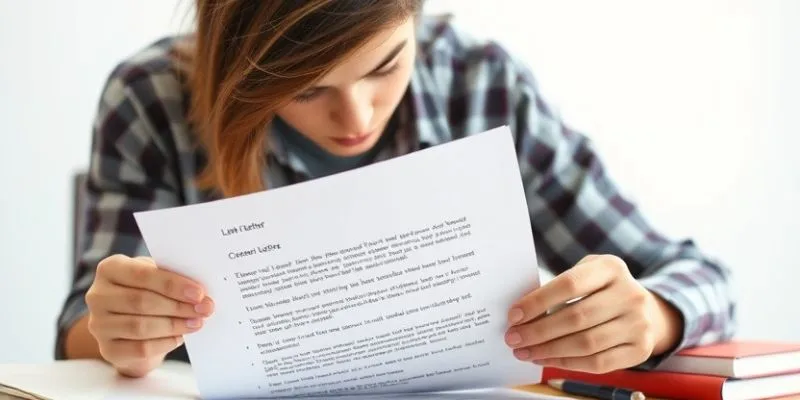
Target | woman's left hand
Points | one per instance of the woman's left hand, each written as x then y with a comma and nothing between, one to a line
616,324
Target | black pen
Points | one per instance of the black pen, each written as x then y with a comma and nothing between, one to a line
595,391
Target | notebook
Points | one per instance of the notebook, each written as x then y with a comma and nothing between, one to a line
736,359
675,385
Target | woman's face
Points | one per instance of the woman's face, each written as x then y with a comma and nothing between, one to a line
346,112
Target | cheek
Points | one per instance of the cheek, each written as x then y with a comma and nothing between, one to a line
390,91
305,118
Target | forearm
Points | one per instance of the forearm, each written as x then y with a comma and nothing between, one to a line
669,326
79,342
701,294
577,210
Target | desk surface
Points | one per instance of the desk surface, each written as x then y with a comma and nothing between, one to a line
93,379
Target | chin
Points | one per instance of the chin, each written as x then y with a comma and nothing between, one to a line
348,151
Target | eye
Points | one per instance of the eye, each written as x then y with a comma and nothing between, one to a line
313,93
385,71
308,95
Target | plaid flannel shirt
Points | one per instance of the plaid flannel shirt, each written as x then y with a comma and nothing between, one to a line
144,156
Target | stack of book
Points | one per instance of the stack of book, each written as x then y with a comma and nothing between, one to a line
735,370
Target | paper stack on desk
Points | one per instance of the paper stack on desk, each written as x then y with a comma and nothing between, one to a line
391,278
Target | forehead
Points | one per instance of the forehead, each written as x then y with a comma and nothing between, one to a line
367,57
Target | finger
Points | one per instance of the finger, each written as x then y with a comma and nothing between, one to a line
587,258
126,352
118,326
583,343
590,311
125,300
580,280
619,357
143,273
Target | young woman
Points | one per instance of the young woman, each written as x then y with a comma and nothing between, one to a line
266,94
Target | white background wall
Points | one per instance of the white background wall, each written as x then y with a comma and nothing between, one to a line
691,103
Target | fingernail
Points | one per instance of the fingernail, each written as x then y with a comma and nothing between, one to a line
513,338
192,293
515,315
522,354
193,323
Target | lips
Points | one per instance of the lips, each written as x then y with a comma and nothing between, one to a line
350,141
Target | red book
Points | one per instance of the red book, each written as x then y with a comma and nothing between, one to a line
675,385
736,359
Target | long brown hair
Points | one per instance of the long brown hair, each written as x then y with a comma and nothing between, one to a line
250,57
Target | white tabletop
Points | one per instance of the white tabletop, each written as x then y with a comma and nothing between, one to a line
94,379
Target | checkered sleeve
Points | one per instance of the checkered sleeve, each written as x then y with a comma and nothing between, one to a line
577,210
129,171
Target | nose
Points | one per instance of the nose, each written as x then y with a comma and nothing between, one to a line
355,110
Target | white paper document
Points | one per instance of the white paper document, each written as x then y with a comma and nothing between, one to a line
392,278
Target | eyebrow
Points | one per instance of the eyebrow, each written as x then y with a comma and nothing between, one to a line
386,60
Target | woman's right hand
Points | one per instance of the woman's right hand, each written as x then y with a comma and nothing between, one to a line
139,312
